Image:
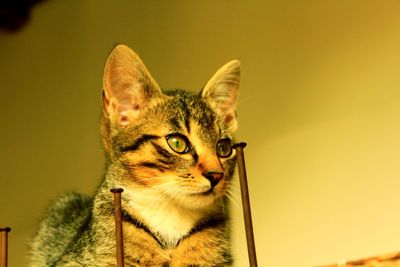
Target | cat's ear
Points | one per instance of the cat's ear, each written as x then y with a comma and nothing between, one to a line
221,91
128,87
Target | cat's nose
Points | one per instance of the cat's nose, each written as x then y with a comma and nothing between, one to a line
214,177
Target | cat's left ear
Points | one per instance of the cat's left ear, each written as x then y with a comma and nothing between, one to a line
221,92
128,87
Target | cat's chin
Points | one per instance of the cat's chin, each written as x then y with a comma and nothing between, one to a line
203,200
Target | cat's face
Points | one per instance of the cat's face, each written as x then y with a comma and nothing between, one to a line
178,144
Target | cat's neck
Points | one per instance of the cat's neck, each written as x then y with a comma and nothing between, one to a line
165,218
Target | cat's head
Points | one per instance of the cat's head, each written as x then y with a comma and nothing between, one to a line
176,143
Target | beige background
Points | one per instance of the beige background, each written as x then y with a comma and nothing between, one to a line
319,108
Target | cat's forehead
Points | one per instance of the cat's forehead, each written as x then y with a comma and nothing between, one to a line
189,111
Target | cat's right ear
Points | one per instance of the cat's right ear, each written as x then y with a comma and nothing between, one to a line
128,87
221,92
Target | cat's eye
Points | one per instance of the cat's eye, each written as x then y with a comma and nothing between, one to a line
224,148
178,143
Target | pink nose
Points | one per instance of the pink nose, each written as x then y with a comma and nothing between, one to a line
214,177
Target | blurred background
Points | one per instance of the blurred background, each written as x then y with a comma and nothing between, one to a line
319,108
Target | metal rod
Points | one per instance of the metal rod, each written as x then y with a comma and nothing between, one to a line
118,226
251,248
4,246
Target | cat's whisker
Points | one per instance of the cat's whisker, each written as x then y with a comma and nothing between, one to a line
232,198
233,201
233,190
246,99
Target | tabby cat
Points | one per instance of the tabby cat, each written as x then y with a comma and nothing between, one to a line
172,154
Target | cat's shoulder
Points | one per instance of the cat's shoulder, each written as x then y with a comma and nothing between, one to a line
67,207
64,218
70,201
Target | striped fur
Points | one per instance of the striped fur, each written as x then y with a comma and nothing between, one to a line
173,214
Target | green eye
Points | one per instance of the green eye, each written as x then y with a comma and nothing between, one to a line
178,143
224,148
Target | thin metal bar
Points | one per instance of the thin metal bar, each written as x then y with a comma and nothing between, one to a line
118,226
4,246
251,248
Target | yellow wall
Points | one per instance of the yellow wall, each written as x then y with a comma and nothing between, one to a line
319,108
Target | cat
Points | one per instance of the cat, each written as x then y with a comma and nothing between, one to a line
171,152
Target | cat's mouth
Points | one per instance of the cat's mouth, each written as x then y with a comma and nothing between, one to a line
212,192
208,192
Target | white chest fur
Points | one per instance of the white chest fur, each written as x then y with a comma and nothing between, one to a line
164,217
